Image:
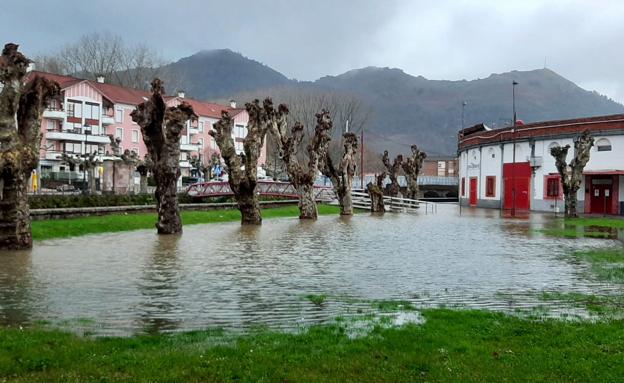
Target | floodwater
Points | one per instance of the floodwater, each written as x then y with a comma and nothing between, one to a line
233,277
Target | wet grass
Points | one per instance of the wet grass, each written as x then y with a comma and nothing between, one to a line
606,264
392,306
574,232
616,223
604,305
126,222
317,299
469,346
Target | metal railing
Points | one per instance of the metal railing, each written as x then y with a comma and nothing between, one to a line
361,200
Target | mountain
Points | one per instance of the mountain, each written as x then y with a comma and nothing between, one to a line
428,112
220,73
406,109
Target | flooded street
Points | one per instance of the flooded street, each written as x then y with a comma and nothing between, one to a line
225,275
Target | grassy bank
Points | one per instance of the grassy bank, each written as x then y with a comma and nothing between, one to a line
471,346
125,222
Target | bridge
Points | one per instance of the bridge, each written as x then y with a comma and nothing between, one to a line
264,188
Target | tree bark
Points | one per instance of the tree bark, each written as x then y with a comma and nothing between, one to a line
572,174
161,128
342,176
243,181
375,192
412,167
303,177
393,189
21,106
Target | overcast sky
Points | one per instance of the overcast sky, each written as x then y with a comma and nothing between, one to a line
307,39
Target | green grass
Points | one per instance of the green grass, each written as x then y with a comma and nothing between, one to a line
125,222
596,221
573,232
317,299
451,346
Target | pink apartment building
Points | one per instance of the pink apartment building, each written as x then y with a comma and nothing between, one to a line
89,111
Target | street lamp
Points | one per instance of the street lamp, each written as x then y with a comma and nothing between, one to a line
513,141
86,129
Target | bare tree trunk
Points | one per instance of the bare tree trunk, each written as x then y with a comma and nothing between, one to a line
572,174
393,189
375,193
412,167
21,107
307,204
143,184
161,128
302,177
243,181
342,177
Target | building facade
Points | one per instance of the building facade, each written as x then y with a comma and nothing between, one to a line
512,168
89,112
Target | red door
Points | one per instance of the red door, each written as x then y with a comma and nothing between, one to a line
601,193
517,178
473,191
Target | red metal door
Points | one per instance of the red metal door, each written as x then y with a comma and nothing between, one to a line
517,179
601,195
473,191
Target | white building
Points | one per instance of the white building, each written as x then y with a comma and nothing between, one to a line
494,175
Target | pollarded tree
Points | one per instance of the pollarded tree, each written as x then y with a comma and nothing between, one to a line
342,176
572,174
375,192
301,176
161,127
412,167
243,168
144,167
393,188
21,106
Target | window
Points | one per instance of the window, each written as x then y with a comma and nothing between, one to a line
463,187
200,142
135,136
92,111
603,145
51,125
490,186
119,133
136,150
119,115
240,131
74,108
553,187
201,126
213,143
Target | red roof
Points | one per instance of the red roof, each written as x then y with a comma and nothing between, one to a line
62,80
208,109
119,94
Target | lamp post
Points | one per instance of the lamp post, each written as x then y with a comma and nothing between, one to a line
86,129
513,142
459,195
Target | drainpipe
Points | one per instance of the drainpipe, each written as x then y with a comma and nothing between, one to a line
501,195
480,175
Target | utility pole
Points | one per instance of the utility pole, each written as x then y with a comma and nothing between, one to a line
362,158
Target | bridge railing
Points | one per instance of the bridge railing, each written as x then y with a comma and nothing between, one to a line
267,188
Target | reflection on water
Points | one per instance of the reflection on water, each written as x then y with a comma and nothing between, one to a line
235,277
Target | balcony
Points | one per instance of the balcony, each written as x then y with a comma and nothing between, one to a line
76,135
190,147
108,118
54,114
193,130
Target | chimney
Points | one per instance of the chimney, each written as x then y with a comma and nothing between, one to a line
100,79
181,93
233,104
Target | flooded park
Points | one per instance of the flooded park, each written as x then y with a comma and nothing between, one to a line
236,278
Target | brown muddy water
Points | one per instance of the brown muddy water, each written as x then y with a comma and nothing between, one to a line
233,277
